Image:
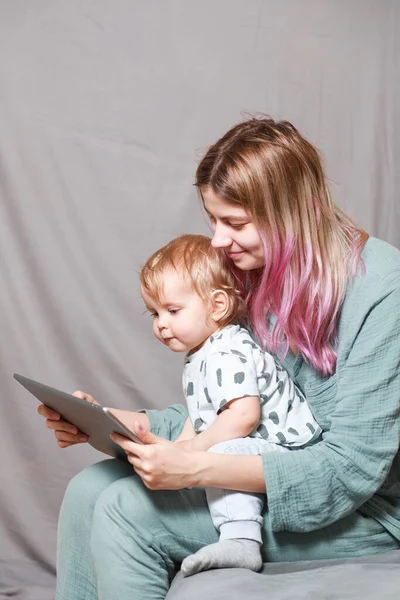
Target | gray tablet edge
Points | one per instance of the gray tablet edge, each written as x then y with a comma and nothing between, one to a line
94,420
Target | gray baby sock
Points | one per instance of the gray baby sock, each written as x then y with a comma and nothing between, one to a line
242,553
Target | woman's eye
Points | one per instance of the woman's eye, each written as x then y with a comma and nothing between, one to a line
237,226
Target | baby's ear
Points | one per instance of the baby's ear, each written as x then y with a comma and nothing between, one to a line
220,305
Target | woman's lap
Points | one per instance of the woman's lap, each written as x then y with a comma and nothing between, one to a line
139,534
355,535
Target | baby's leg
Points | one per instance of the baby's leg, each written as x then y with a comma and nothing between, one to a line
237,516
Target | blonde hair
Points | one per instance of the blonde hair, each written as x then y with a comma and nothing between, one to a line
203,266
312,248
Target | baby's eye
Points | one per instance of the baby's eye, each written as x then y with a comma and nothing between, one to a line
173,311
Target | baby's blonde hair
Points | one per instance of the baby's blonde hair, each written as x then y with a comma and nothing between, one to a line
201,265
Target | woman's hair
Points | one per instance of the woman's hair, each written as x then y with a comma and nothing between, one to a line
312,247
203,266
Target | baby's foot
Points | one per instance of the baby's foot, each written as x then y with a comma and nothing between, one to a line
242,553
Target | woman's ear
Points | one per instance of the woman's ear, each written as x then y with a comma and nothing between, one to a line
220,305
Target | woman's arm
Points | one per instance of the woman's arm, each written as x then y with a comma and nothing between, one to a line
164,465
188,433
311,488
230,471
129,417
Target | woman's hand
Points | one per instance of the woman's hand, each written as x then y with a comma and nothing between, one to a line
65,433
161,464
185,445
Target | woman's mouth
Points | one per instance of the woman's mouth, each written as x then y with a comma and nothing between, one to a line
235,255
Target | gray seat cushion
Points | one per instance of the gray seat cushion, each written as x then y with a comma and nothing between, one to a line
368,578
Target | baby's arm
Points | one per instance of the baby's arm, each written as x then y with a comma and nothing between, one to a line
237,420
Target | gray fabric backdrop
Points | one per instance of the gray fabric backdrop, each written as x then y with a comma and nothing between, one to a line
105,109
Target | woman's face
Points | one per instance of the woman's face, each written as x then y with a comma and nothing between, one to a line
234,232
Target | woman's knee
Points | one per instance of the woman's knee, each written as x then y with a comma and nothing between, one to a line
171,520
87,485
124,516
126,501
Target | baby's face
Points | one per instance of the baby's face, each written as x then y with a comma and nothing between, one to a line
181,318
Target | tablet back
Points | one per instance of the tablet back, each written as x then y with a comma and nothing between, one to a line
92,419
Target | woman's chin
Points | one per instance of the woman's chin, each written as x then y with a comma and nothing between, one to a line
246,262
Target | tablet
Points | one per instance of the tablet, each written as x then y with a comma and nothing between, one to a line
95,421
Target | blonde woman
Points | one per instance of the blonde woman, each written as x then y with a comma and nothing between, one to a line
324,297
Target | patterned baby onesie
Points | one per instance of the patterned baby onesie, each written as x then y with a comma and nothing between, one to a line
231,365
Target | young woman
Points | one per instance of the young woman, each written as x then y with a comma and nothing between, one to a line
323,297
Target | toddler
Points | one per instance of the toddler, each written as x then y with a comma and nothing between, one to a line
239,399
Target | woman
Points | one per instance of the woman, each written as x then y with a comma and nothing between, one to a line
324,298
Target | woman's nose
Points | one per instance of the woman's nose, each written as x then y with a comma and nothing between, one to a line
221,238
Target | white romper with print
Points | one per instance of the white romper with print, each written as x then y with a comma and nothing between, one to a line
231,365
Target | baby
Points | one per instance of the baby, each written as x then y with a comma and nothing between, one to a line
239,400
